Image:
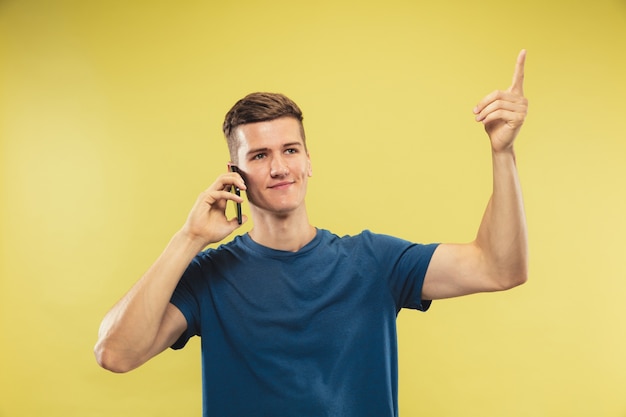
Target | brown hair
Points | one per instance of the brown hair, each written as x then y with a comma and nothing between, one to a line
258,107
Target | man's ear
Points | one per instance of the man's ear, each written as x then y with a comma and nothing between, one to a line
310,167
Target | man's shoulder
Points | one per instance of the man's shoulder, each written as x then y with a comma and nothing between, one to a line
226,249
365,238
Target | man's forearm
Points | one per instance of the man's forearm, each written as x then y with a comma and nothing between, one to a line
130,328
502,235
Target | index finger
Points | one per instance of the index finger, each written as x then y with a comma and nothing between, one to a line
518,76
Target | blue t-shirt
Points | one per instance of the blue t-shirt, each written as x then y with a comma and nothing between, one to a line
307,333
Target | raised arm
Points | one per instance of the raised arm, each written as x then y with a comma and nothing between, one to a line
144,322
498,258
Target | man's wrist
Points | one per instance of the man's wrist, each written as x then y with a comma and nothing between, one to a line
189,241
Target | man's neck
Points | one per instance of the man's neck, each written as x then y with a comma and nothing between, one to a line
290,232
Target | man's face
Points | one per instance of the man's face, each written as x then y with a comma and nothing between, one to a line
274,164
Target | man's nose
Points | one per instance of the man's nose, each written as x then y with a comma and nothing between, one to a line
278,167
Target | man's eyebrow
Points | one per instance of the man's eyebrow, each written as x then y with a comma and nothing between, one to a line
292,144
265,149
256,150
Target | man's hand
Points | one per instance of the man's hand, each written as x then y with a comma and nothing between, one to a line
504,112
207,221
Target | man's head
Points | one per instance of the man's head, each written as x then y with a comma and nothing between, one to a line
258,107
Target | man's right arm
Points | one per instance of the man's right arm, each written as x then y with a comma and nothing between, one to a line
144,322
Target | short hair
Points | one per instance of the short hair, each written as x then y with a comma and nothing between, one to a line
258,107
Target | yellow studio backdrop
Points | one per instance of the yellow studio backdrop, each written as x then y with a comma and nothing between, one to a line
110,116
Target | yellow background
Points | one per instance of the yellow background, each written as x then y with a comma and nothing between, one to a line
110,116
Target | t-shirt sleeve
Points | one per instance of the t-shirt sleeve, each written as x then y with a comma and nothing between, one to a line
185,299
405,265
408,278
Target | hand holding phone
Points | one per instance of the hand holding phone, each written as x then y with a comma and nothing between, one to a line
237,191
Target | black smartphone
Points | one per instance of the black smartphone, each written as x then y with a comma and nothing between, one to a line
237,191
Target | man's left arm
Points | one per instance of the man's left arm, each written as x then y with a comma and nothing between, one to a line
498,258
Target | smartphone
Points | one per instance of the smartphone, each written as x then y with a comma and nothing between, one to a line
237,191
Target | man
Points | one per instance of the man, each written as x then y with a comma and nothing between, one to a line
295,320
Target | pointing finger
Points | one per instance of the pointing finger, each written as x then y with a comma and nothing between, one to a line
518,76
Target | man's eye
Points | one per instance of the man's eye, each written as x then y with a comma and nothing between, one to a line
291,150
259,156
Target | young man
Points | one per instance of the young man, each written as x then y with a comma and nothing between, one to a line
295,320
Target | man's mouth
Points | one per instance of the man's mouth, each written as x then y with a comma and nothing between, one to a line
280,185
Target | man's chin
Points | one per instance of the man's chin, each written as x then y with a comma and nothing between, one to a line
279,210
